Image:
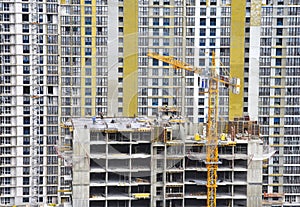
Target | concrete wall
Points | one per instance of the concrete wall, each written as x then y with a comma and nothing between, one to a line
254,175
81,168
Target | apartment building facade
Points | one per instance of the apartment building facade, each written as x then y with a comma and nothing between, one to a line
278,97
92,60
17,79
259,36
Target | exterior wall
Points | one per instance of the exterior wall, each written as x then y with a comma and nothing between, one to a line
85,92
113,64
254,175
237,44
278,99
254,59
17,70
81,176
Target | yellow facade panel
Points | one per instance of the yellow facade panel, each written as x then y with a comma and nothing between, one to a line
238,13
130,72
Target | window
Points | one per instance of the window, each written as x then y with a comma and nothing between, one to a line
88,101
25,200
202,12
276,121
202,32
202,21
156,21
213,11
154,91
88,51
166,42
279,32
165,81
5,140
88,10
190,11
166,21
25,8
88,20
155,31
88,41
166,31
202,62
25,59
202,42
155,10
88,61
26,150
165,101
212,32
5,160
26,191
278,51
26,110
201,111
25,38
278,41
26,140
279,21
277,101
213,22
25,17
88,31
26,120
278,61
280,2
277,81
166,2
201,101
88,71
25,180
166,11
6,27
40,18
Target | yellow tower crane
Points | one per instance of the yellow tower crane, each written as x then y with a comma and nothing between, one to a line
212,155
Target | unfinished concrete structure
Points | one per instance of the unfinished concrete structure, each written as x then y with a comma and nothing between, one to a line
134,162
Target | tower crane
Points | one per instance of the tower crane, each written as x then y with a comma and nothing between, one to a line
212,154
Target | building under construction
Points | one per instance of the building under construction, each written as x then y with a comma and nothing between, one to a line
134,162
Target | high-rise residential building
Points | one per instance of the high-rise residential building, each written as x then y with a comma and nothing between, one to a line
94,43
92,60
278,96
20,38
98,56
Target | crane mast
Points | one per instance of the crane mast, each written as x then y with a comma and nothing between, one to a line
34,102
212,154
